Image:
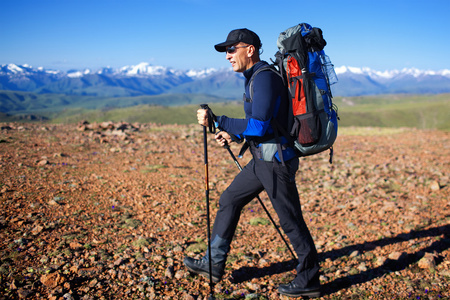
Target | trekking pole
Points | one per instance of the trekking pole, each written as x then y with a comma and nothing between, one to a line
205,146
262,204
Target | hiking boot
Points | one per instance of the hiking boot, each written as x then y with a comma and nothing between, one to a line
293,290
201,266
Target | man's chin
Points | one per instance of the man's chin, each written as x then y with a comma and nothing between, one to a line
237,70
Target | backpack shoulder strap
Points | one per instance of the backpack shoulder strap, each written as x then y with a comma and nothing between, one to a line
273,122
250,85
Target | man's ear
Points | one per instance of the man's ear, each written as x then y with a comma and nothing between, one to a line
251,50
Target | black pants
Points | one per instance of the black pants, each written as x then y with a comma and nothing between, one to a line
279,183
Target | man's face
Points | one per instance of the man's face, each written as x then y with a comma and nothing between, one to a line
239,56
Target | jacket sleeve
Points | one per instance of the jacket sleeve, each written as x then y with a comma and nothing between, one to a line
266,92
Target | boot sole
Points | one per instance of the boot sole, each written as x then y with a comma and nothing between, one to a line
204,274
313,294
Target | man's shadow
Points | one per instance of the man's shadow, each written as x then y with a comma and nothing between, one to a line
247,273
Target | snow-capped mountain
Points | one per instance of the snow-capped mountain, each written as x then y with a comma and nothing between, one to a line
145,69
365,81
146,79
201,73
393,73
77,74
23,70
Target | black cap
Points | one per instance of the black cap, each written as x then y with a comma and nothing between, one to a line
240,35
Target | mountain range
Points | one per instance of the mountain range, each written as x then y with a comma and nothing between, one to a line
145,79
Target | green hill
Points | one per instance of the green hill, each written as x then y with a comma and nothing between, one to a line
14,102
418,111
185,114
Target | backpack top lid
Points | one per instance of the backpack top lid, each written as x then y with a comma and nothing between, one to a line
313,37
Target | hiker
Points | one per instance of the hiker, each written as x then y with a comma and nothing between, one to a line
264,172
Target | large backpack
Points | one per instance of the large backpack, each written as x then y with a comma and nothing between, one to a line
308,74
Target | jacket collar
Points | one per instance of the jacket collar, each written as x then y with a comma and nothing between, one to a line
249,72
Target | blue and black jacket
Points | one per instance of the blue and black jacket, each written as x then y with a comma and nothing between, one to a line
269,100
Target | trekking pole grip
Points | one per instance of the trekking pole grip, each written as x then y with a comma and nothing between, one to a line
211,118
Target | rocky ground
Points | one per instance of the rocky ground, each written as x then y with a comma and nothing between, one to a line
108,211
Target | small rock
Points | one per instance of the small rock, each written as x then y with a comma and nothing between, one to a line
75,246
112,273
44,259
169,272
381,260
427,262
52,280
53,202
397,255
353,271
42,162
252,286
73,269
106,125
362,267
178,249
434,186
118,262
157,258
37,230
13,285
68,296
82,127
180,274
93,282
263,262
120,275
354,253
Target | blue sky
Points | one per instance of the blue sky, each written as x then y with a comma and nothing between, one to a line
77,34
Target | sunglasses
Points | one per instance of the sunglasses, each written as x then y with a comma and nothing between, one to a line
233,49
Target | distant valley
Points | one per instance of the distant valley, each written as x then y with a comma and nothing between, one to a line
28,94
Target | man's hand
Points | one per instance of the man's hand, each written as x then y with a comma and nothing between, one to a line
223,138
202,117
